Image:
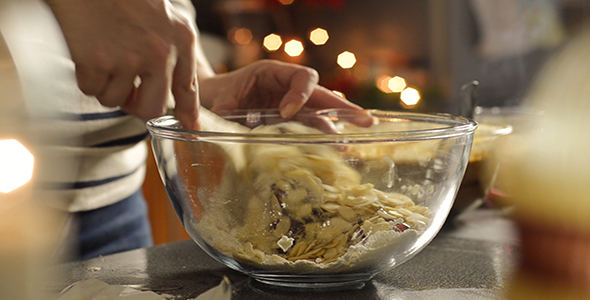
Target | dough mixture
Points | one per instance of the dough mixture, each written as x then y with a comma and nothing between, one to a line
302,206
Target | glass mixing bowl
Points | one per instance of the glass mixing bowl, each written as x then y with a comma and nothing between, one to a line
328,198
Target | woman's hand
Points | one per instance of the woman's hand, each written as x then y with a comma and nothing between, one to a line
269,84
116,42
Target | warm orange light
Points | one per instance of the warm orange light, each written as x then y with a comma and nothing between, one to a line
383,84
346,60
341,94
319,36
410,97
16,165
272,42
242,36
286,2
396,84
293,48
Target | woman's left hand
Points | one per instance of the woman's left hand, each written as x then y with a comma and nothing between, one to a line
269,84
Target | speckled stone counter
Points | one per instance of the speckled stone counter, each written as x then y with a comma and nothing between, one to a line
471,260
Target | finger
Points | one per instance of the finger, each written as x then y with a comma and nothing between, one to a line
352,113
324,98
301,86
186,99
118,90
361,118
184,83
91,81
323,124
154,67
150,98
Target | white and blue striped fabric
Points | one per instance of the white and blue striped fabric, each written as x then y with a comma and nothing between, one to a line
86,155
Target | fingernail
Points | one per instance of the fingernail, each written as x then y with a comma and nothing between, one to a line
289,110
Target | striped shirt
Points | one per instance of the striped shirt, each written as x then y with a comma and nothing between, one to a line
87,156
91,155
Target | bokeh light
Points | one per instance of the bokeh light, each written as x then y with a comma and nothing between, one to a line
383,84
272,42
286,2
396,84
16,165
346,60
319,36
293,48
242,36
410,97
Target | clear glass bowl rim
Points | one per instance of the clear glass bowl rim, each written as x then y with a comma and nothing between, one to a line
452,126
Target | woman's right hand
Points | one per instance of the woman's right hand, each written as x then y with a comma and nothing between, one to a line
115,42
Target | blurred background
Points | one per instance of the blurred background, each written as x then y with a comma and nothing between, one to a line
395,54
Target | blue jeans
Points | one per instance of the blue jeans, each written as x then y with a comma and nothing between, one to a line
115,228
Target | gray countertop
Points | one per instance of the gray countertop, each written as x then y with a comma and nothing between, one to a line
471,258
